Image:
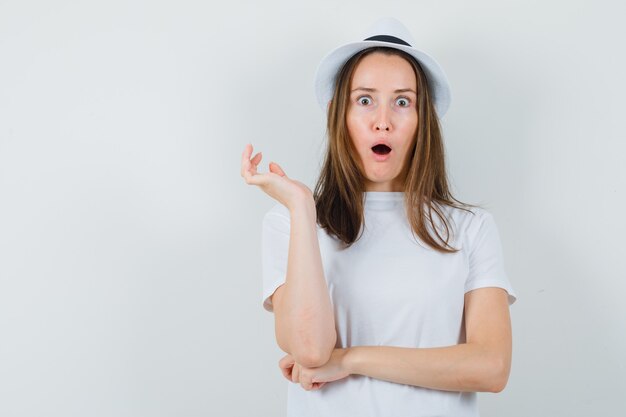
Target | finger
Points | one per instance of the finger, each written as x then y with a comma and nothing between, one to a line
249,168
245,157
295,373
259,179
286,366
275,168
286,361
287,372
248,171
257,158
251,164
254,162
247,151
318,385
256,179
306,379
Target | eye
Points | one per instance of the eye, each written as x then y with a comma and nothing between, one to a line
364,100
403,102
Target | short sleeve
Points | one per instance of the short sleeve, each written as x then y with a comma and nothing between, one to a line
486,262
274,251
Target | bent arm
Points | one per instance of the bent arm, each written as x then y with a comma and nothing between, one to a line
466,367
481,364
304,319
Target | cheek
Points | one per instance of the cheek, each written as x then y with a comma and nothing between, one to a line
409,127
356,131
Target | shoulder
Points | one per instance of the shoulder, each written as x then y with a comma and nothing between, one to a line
469,223
467,217
478,230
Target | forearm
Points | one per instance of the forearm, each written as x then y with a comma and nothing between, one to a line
464,367
306,314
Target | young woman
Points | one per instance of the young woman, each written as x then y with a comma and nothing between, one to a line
389,295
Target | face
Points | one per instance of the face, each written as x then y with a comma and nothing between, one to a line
382,118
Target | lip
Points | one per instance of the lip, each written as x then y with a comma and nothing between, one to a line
381,158
382,141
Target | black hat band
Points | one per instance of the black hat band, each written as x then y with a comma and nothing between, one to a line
387,38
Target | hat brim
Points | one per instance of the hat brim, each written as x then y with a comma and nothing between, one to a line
330,65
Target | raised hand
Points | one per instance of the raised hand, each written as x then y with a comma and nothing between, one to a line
275,183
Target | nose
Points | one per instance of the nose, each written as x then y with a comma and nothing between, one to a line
382,122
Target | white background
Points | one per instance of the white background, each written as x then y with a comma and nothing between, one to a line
130,246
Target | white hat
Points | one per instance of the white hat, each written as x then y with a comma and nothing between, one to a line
391,33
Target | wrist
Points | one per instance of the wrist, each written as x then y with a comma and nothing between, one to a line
302,203
349,360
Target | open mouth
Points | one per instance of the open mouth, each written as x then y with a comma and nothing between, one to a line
381,149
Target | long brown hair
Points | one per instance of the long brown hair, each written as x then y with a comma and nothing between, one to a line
339,190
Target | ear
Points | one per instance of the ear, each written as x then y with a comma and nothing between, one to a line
328,105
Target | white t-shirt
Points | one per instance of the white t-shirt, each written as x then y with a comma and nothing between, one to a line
389,290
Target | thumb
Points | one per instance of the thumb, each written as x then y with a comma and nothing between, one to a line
276,169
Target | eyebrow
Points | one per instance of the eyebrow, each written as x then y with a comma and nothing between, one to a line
372,90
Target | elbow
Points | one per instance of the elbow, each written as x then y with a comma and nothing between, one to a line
314,358
487,376
308,359
308,348
499,377
497,386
